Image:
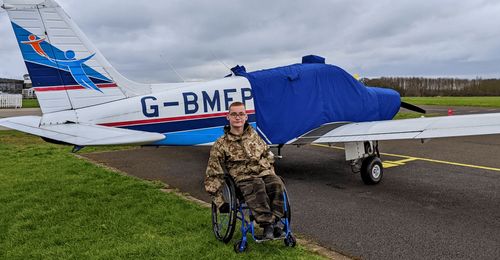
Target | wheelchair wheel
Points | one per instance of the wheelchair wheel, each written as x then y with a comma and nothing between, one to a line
224,219
238,248
290,241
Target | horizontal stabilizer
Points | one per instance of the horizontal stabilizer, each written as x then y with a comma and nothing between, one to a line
418,128
80,134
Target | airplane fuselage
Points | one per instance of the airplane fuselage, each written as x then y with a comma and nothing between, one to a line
192,114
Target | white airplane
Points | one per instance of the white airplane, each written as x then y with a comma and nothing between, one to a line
85,101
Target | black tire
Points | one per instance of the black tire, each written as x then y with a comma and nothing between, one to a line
224,223
237,247
290,241
288,213
372,170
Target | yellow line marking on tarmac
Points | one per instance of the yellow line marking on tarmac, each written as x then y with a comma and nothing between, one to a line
389,164
411,158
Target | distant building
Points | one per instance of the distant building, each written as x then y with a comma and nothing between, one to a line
11,86
27,81
29,93
17,86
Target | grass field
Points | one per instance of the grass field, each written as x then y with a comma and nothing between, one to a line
407,115
56,206
455,101
447,101
30,103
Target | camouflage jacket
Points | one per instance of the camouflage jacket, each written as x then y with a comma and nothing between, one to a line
244,157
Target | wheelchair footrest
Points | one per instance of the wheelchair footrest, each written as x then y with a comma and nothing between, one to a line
260,238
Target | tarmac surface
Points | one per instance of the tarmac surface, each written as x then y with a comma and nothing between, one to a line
438,200
9,112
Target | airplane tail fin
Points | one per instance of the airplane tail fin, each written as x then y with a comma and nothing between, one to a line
66,70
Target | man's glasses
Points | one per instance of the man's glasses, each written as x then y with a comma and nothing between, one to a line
234,114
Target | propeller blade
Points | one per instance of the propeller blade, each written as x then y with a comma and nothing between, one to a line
412,107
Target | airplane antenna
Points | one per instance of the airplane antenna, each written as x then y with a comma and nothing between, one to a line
221,62
172,67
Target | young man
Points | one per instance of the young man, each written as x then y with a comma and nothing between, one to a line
249,161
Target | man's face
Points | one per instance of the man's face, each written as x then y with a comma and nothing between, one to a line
237,116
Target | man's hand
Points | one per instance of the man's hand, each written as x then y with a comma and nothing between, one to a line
213,184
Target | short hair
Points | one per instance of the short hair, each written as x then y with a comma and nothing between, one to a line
236,104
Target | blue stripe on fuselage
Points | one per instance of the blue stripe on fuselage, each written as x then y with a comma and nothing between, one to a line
194,137
184,125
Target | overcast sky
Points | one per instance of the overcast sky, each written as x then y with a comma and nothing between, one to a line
371,38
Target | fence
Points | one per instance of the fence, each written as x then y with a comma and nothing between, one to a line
7,100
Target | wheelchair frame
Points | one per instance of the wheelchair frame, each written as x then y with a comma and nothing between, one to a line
224,225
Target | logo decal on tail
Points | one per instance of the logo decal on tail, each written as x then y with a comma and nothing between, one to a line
35,44
73,65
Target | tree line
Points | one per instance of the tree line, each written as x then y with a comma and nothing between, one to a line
428,87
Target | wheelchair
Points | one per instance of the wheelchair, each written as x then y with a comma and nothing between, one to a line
235,208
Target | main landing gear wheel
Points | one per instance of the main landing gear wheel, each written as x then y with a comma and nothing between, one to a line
372,170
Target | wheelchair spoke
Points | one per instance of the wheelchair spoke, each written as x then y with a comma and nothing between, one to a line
223,221
221,226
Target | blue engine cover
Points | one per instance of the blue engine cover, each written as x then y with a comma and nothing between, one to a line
292,100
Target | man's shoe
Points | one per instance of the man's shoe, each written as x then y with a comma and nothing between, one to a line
277,232
268,232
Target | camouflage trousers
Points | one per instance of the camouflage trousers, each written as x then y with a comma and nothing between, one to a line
264,197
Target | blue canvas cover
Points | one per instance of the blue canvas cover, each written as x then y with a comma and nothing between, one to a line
292,100
313,59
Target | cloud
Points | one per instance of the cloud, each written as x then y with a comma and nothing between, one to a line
11,61
373,38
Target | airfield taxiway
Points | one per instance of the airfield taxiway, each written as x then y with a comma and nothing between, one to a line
438,200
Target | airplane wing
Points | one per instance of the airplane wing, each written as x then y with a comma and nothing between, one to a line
418,128
80,134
